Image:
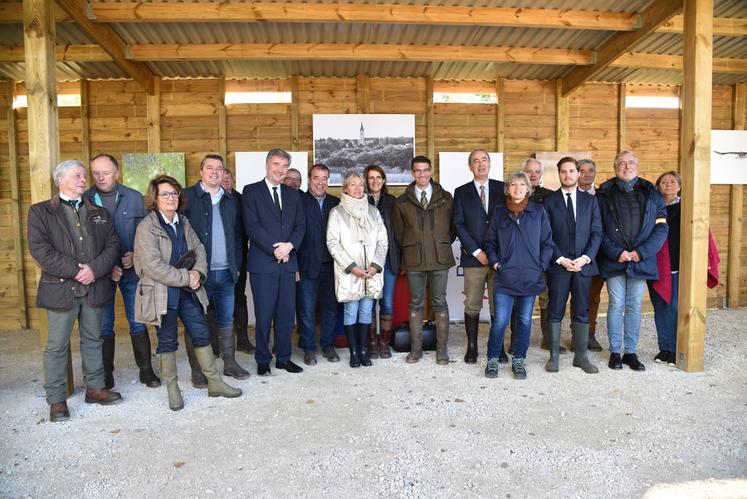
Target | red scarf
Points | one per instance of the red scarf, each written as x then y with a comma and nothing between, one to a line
516,208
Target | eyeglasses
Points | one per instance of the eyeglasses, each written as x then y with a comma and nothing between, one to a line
167,195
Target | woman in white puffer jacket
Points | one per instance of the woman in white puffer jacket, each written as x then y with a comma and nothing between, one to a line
357,240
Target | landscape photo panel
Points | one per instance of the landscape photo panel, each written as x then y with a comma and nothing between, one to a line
549,160
346,142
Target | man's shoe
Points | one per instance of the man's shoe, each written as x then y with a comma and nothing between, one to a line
518,368
672,359
288,366
58,412
102,396
662,357
491,370
631,360
330,354
615,361
309,358
263,370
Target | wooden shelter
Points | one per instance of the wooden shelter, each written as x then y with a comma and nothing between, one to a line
152,77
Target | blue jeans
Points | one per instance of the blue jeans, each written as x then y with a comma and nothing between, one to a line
195,324
220,289
504,304
386,303
128,297
624,312
665,316
358,311
309,292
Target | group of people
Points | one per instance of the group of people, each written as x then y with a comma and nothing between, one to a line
185,253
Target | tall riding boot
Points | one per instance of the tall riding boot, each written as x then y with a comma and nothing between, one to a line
385,336
442,337
141,350
416,336
553,365
216,386
363,333
580,341
107,356
546,332
198,379
471,326
351,331
168,372
372,342
243,343
228,354
594,345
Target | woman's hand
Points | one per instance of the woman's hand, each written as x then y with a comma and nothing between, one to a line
194,279
372,271
359,273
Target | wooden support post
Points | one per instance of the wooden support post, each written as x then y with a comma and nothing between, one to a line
295,115
153,113
695,151
430,125
562,118
736,206
362,92
43,121
222,140
15,206
85,128
500,116
622,91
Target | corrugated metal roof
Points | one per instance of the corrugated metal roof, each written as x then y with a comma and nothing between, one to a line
350,33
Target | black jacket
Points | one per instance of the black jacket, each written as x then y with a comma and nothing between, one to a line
313,250
386,207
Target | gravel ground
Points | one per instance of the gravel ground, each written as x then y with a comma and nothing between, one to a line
391,430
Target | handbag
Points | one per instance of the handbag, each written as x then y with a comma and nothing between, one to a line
187,261
401,338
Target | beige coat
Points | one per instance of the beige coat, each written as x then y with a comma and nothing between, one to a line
152,255
349,252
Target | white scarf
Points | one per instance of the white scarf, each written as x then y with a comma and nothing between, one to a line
358,210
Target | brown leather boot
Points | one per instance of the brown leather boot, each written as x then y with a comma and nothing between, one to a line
373,340
416,336
102,396
58,412
385,337
442,337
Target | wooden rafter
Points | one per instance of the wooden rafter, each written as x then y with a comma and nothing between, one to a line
110,42
659,12
665,61
12,12
722,26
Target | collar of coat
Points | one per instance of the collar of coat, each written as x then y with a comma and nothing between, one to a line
608,185
55,203
154,223
438,196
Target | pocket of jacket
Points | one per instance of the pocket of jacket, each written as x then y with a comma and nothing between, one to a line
444,253
145,301
411,255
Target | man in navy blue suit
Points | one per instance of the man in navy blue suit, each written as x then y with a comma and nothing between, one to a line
474,203
577,233
316,272
275,223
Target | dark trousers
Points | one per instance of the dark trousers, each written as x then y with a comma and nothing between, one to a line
560,285
240,310
190,312
274,298
595,296
310,292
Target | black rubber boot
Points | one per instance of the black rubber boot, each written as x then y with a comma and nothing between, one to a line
352,335
471,327
107,356
553,365
580,341
141,350
363,332
228,354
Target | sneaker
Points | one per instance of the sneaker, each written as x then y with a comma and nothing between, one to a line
662,357
672,359
517,366
491,370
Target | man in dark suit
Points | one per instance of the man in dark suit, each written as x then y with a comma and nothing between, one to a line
474,203
275,223
577,232
316,282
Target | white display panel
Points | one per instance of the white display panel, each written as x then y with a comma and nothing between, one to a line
729,156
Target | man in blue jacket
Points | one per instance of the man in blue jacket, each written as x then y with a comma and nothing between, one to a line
576,232
215,216
474,203
635,227
126,208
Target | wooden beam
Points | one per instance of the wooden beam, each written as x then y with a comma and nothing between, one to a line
674,62
734,271
722,26
153,117
430,117
63,53
345,52
362,93
12,12
500,115
222,130
295,115
85,127
296,12
695,152
15,206
654,16
562,118
622,92
105,36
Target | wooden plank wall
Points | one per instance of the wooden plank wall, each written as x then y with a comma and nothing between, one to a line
190,112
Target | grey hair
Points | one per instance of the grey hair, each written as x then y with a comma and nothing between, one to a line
277,152
469,158
63,167
531,160
625,153
349,178
586,162
519,176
